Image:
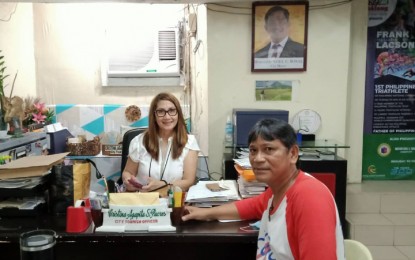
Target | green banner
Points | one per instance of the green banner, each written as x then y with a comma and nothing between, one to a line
389,123
389,156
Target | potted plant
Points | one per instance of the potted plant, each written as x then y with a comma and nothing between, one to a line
3,125
37,115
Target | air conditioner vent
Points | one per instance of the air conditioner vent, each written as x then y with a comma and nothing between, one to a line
153,61
167,45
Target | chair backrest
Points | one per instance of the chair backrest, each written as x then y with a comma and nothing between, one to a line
128,136
329,179
355,250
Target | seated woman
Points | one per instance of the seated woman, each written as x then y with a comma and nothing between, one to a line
165,153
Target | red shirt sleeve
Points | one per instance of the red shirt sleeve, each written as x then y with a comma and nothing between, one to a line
312,225
252,208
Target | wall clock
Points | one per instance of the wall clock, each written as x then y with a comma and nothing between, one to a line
306,121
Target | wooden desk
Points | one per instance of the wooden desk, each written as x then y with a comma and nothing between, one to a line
194,240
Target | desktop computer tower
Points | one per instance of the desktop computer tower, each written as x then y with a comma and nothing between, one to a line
245,119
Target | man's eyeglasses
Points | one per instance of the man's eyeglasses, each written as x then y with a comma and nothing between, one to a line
162,112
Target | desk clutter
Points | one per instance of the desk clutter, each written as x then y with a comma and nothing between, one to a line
80,146
316,154
25,183
23,196
202,194
247,183
62,140
48,185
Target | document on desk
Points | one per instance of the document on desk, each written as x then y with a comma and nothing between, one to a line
200,193
243,162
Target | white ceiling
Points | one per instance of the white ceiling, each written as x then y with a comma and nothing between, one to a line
124,1
136,1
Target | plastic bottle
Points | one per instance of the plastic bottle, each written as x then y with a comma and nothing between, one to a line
170,196
228,132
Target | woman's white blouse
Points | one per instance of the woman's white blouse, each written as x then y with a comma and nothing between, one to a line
173,169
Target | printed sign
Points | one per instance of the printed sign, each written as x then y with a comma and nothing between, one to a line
389,125
137,217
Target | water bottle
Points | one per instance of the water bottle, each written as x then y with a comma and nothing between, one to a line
228,132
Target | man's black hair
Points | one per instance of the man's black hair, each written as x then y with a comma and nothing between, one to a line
275,9
273,129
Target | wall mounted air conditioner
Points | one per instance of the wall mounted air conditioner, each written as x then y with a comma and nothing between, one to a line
155,61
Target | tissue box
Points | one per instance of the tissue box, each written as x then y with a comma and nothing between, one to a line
112,149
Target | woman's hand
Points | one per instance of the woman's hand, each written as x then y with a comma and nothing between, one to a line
152,184
131,183
128,178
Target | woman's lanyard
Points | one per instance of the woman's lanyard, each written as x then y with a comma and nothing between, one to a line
164,168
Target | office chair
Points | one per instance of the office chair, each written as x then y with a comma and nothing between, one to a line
329,179
355,250
128,136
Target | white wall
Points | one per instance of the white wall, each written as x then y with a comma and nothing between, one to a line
17,47
199,82
221,76
69,41
323,87
56,48
356,90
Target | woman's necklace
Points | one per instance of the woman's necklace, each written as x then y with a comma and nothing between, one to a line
290,182
164,168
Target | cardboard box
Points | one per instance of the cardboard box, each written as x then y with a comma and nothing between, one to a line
30,166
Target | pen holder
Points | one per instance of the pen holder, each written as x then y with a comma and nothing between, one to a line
96,212
97,217
176,216
178,207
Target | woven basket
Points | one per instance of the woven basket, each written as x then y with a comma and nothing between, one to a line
92,147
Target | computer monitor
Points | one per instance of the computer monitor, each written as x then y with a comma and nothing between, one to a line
245,119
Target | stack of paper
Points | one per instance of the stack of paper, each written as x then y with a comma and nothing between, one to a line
242,153
325,154
23,183
26,203
249,189
243,162
316,155
309,155
200,195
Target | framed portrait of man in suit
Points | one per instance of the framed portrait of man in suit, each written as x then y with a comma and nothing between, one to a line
279,36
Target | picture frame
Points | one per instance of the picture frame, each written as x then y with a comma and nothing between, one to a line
279,36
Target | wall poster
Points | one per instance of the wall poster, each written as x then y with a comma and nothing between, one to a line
279,36
389,123
275,90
